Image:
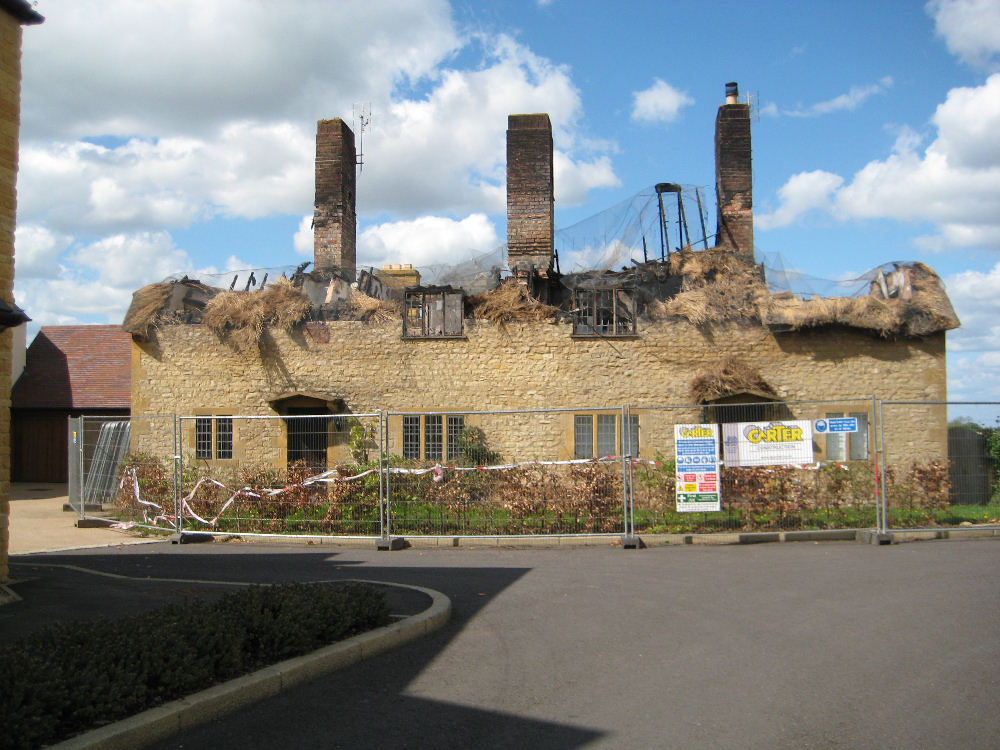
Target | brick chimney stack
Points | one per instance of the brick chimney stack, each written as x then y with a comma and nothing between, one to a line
734,175
334,218
530,197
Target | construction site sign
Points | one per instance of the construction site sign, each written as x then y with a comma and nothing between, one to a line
777,443
697,456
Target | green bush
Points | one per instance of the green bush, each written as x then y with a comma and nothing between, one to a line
71,677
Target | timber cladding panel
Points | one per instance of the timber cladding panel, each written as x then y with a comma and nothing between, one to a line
187,370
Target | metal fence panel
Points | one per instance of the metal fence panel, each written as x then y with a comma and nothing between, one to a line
99,450
941,463
314,474
492,473
587,470
834,487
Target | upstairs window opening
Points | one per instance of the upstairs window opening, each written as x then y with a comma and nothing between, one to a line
604,312
433,312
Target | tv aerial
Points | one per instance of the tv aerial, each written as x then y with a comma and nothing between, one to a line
362,117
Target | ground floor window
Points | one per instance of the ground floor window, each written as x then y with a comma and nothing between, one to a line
432,436
213,437
597,435
848,446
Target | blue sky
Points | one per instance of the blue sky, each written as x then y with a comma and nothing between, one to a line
177,136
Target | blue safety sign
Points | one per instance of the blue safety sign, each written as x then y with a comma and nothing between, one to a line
836,424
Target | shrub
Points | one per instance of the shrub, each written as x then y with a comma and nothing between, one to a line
70,677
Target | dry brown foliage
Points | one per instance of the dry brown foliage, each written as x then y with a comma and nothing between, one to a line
509,302
241,317
726,377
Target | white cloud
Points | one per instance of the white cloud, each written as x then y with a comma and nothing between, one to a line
975,296
975,378
65,301
974,349
967,123
661,102
129,261
37,250
190,67
426,241
302,241
447,150
970,28
444,151
246,170
954,183
574,178
854,98
803,192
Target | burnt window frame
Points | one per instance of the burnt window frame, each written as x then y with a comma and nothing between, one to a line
604,312
419,314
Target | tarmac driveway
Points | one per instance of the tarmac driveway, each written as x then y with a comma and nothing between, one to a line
826,645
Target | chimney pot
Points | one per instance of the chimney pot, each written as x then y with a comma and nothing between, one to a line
732,93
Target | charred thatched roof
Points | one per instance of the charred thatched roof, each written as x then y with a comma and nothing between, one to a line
166,302
703,287
718,286
372,310
242,316
509,302
914,305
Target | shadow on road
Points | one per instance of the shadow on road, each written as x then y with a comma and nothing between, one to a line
365,705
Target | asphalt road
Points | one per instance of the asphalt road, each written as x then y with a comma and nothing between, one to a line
806,645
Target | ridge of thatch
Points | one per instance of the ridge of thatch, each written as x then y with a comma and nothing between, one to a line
146,308
923,309
718,285
509,302
728,377
371,309
241,316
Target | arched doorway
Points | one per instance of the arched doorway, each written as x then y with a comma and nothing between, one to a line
314,434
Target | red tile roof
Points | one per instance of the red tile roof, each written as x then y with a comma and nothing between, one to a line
76,367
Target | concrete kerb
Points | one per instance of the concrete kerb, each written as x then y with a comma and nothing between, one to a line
163,721
866,536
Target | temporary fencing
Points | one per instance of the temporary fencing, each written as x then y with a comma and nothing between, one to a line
936,479
516,472
836,464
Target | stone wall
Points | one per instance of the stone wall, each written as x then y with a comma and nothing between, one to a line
10,97
538,366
